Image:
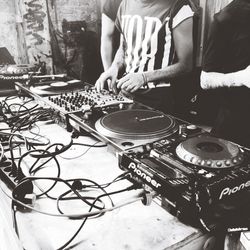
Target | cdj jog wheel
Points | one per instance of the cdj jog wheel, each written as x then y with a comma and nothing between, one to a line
210,152
136,124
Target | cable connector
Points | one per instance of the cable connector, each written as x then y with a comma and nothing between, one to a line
77,185
30,199
148,196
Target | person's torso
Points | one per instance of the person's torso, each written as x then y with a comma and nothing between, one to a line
146,30
235,23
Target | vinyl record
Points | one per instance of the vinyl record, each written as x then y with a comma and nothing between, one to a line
59,84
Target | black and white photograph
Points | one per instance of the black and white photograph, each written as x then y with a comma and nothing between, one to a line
125,124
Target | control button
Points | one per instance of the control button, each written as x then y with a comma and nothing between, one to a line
235,161
202,171
209,163
192,127
193,159
182,129
209,175
228,163
218,163
240,158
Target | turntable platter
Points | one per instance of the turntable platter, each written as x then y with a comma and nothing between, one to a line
136,124
210,152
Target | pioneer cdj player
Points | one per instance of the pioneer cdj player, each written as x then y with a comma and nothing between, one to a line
200,178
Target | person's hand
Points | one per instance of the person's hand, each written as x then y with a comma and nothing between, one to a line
131,82
108,77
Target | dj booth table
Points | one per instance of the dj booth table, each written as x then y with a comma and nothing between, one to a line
133,227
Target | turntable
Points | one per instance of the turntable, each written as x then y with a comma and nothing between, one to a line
133,127
136,124
55,87
125,125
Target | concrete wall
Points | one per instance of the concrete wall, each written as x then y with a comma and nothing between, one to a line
76,10
8,34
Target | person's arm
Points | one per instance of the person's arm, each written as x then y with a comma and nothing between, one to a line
108,28
111,74
212,80
183,39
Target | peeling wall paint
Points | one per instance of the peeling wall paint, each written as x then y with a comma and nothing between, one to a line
36,28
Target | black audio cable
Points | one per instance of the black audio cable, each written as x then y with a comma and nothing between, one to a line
33,169
200,208
73,185
57,150
90,209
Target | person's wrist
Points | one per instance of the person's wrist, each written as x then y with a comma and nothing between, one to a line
113,70
232,79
